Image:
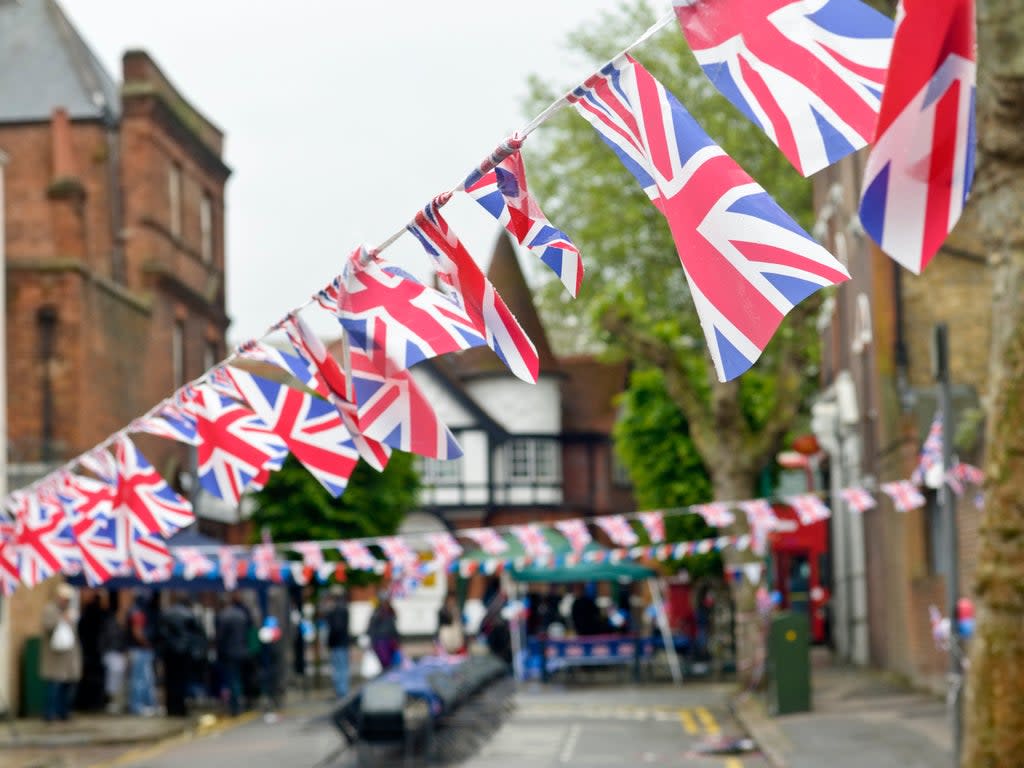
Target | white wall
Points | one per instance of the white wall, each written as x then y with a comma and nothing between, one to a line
520,407
417,613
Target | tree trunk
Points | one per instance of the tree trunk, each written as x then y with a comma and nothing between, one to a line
995,222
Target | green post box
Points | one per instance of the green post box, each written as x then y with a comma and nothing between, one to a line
789,664
33,690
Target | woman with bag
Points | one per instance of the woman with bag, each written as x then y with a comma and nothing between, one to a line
60,661
451,635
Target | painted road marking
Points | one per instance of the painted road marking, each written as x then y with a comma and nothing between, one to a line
733,762
570,743
707,720
689,724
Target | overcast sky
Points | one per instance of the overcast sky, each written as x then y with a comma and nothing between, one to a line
342,118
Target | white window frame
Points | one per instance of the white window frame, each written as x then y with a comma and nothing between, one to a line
206,228
437,473
533,465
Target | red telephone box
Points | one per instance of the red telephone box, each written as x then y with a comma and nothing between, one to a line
798,552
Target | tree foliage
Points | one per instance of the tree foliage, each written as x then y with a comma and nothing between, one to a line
296,507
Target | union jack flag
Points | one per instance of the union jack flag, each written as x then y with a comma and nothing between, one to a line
535,544
716,514
446,547
144,498
312,555
101,463
236,448
921,166
502,192
311,428
654,524
393,410
263,560
43,538
466,285
10,576
293,364
809,73
170,422
488,540
327,379
931,452
228,568
391,316
747,262
954,483
858,499
194,563
150,558
904,494
809,508
89,505
399,554
618,529
357,556
575,532
761,518
969,474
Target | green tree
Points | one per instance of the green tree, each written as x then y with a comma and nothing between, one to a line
295,507
635,299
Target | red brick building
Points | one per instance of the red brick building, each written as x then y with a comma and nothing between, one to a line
114,221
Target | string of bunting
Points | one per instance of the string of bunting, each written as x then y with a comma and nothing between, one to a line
814,75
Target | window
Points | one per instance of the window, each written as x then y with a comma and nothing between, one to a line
46,319
436,472
206,228
178,353
174,198
533,460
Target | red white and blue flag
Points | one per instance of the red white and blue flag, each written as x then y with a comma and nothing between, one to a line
575,532
310,427
264,561
502,192
194,564
399,554
859,499
357,555
145,499
10,577
618,529
809,73
466,285
716,514
170,422
390,315
312,555
446,547
489,541
654,524
228,567
747,262
904,494
809,508
921,166
535,544
931,452
89,504
44,541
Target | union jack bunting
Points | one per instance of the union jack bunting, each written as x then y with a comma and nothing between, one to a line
921,166
575,532
465,284
391,316
144,498
969,474
809,508
101,463
150,559
10,576
89,505
446,547
618,529
227,567
312,555
236,448
488,540
954,482
266,353
311,428
298,573
502,192
357,556
399,554
716,514
858,499
194,563
904,494
43,538
654,524
759,512
326,377
747,262
535,545
170,422
931,452
263,561
809,73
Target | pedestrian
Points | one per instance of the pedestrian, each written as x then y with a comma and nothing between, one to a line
232,650
115,663
60,662
139,637
383,632
90,695
179,641
270,635
451,633
338,640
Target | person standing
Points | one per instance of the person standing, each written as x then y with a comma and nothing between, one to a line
60,663
112,646
451,634
383,632
338,640
139,642
178,634
232,650
90,695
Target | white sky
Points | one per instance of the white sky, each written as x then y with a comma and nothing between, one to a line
342,118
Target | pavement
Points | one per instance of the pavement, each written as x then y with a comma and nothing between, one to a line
860,717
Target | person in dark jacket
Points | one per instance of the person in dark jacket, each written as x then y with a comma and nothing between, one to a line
180,636
338,640
233,626
383,632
